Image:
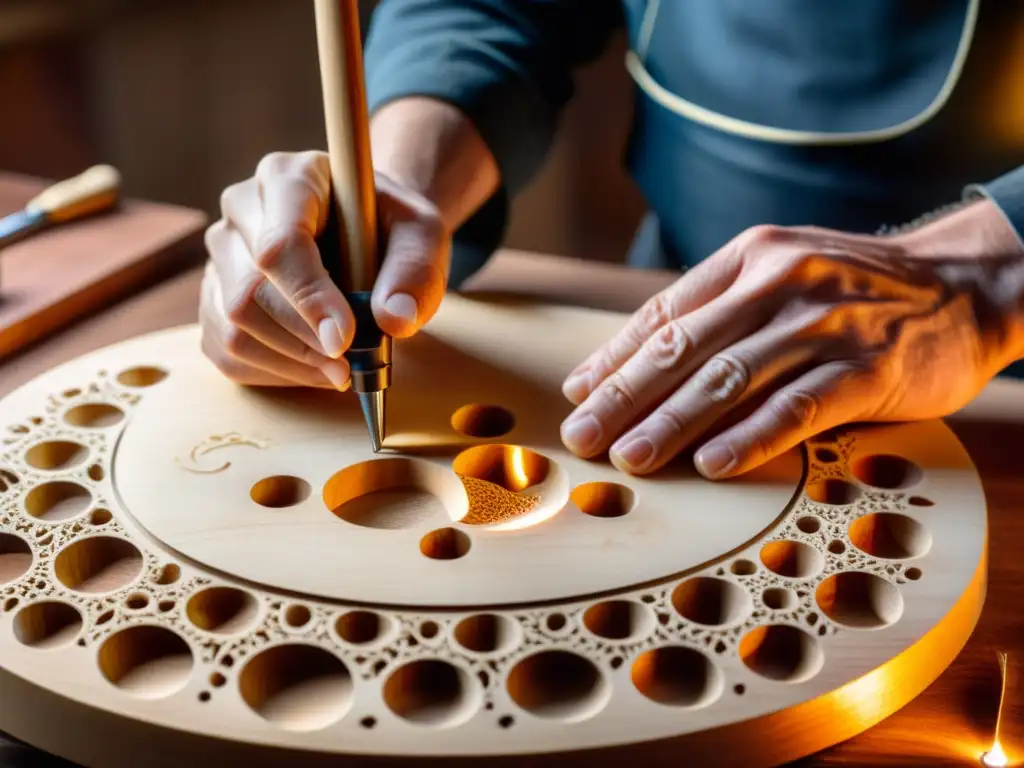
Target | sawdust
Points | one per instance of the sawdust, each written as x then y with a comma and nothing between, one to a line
490,503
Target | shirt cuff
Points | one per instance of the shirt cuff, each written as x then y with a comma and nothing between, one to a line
1007,192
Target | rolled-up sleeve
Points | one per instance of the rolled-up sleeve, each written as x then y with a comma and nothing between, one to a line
506,64
1007,192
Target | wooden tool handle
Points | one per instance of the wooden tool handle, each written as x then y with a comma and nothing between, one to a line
90,192
348,139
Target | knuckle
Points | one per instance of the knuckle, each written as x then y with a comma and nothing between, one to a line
764,234
273,163
673,417
213,236
668,347
240,304
311,293
794,409
654,314
235,341
724,379
617,391
229,196
275,242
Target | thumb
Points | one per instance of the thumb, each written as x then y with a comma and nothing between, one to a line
414,274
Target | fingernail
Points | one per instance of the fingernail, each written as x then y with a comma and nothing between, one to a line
577,387
337,374
581,433
714,460
636,454
331,337
402,306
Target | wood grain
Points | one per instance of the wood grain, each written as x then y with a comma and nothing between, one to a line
949,724
57,276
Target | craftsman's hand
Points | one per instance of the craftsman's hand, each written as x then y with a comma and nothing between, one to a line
270,314
785,333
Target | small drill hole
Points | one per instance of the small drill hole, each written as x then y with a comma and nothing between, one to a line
739,689
445,544
792,559
296,616
217,680
94,415
360,627
204,696
826,455
486,633
368,722
507,721
280,491
483,421
169,574
836,547
96,473
779,598
808,524
136,602
920,501
429,630
142,376
603,499
833,491
743,567
618,620
166,606
556,622
222,610
100,517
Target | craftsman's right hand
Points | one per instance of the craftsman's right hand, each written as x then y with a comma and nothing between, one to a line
270,314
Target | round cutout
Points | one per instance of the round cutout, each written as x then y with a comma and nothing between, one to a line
222,610
59,500
890,536
913,573
94,415
603,499
779,598
836,547
431,692
808,524
619,620
55,455
297,616
445,544
141,376
297,687
100,517
859,600
781,652
743,567
826,455
47,625
887,472
920,501
711,601
395,493
792,559
833,491
677,676
280,491
98,564
511,467
483,421
146,661
15,557
558,685
168,574
361,627
96,473
487,633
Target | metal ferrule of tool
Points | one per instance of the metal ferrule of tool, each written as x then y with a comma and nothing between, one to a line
369,360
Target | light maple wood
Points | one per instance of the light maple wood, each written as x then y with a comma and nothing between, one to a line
56,276
94,190
212,510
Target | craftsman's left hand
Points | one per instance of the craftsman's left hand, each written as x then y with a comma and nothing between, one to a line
785,333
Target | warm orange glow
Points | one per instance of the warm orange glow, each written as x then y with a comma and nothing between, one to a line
517,468
995,757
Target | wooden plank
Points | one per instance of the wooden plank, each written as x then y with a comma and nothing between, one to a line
55,277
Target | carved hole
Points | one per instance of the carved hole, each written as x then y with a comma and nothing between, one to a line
913,573
146,661
836,547
394,493
429,630
360,627
677,676
104,617
833,491
483,421
506,721
368,722
556,622
886,471
56,455
619,620
142,376
431,692
781,652
100,517
808,524
859,600
296,687
96,473
47,625
739,689
487,633
222,610
602,499
890,535
15,557
217,680
509,466
778,598
920,501
136,601
280,491
558,685
826,456
296,616
743,567
59,500
169,574
94,415
166,606
792,559
98,564
445,544
711,601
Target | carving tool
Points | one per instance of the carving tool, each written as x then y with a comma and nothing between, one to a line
92,191
353,263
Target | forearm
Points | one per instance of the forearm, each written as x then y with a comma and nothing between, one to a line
432,148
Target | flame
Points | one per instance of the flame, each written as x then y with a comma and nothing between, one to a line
995,757
517,469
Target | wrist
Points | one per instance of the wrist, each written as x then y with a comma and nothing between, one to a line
977,253
434,150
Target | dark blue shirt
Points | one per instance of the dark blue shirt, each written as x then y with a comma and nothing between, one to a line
856,115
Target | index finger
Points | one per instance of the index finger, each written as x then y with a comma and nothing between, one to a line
700,285
295,195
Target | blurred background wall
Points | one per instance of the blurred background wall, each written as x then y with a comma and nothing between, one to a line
185,96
